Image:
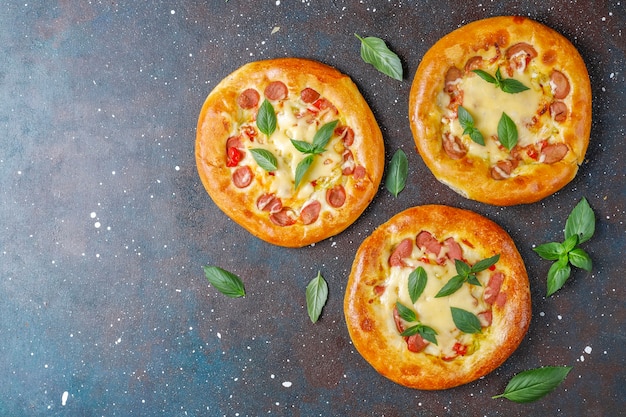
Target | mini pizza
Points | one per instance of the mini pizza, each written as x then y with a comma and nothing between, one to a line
289,149
437,297
500,110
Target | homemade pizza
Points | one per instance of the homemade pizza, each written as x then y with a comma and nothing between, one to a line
500,110
437,297
289,149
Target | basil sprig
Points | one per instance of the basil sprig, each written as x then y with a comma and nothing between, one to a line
467,123
426,332
465,321
533,384
417,283
316,296
507,131
397,173
265,159
508,85
374,51
224,281
266,118
466,273
317,146
579,227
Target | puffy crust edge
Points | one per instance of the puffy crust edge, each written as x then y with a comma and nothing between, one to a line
510,322
555,51
213,131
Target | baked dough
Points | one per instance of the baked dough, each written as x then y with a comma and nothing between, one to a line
305,95
553,117
434,237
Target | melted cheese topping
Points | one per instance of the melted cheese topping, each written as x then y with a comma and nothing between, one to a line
431,311
293,122
486,103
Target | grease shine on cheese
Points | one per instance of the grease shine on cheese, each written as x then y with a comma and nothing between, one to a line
431,311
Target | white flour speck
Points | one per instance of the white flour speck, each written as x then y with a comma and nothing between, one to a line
582,358
96,225
287,384
219,335
92,215
64,397
588,350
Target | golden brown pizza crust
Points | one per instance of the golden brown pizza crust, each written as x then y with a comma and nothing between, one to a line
215,126
471,176
382,346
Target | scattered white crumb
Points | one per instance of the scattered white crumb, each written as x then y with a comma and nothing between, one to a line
287,384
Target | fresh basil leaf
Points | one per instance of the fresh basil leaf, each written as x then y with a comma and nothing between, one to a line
374,51
512,86
415,329
507,132
302,168
428,333
316,296
485,76
266,118
465,321
476,136
451,286
467,123
417,283
580,259
557,275
485,263
303,146
406,313
265,159
581,222
323,135
462,268
465,118
550,251
397,174
570,243
533,384
224,281
473,280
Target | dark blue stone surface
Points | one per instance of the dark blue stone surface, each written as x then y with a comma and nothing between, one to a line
104,224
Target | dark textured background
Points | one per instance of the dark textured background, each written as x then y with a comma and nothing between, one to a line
105,225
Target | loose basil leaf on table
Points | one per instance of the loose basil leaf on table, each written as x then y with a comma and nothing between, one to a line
397,174
581,222
579,227
533,384
316,296
374,51
224,281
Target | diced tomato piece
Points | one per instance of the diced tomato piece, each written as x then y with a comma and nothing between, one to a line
460,349
234,156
